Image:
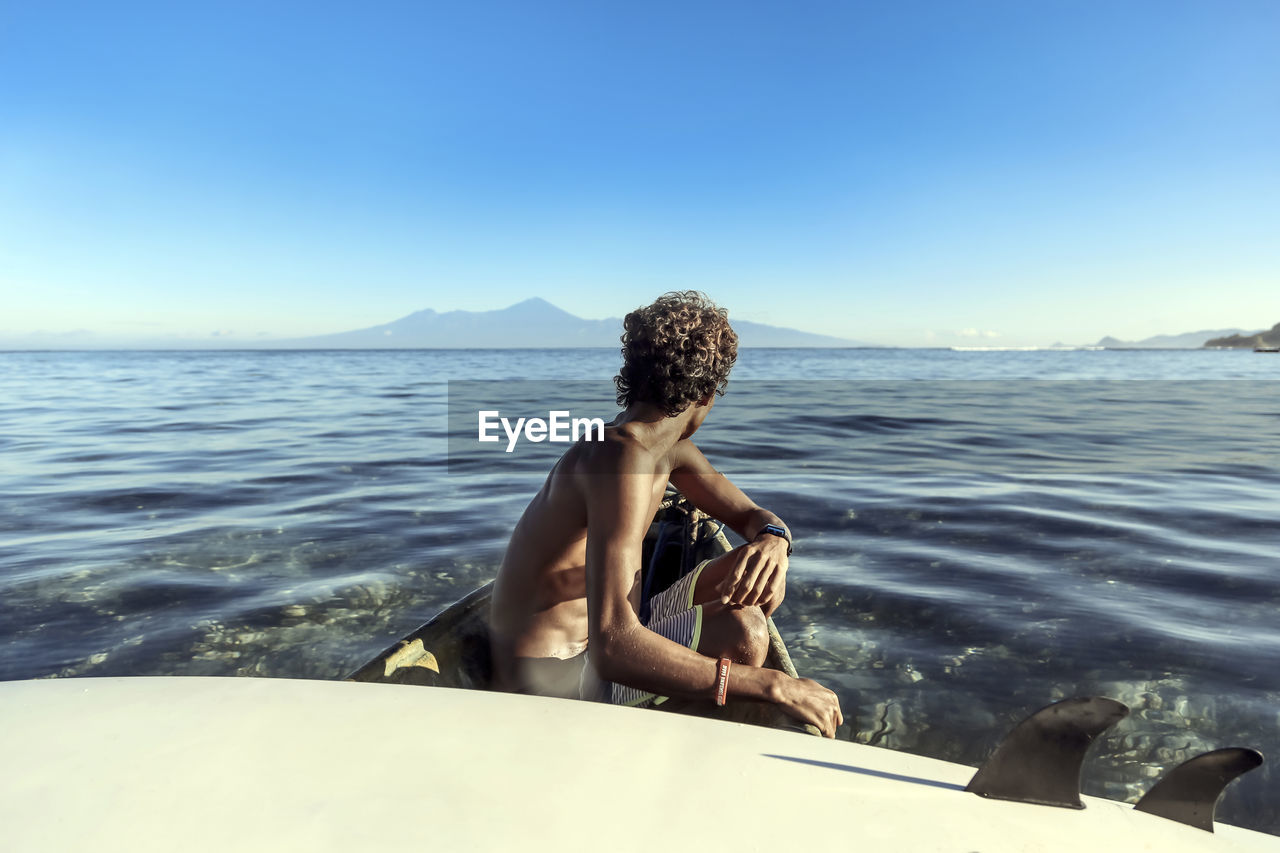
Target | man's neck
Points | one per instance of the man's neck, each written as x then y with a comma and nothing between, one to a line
649,425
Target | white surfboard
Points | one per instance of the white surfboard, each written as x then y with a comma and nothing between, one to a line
233,764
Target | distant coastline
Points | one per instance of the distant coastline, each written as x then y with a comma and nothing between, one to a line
535,324
1186,340
1269,338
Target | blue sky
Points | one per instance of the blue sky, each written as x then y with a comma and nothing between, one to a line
910,173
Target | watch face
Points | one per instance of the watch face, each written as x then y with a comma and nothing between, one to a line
775,530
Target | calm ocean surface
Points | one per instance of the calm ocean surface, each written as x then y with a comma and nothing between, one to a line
978,533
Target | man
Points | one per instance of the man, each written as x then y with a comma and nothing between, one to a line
570,579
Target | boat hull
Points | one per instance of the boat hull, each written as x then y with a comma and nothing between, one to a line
216,764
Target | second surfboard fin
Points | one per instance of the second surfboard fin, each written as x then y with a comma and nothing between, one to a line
1040,760
1189,793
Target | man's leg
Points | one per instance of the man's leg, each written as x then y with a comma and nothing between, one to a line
728,631
738,633
712,629
715,630
705,589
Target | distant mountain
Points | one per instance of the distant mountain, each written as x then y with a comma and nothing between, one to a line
533,324
1189,340
761,335
1248,340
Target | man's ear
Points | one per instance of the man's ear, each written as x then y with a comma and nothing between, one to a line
708,400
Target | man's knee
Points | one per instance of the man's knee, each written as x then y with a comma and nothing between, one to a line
750,634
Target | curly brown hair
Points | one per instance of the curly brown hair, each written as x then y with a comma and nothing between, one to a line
675,352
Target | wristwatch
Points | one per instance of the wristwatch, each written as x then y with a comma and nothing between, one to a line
775,530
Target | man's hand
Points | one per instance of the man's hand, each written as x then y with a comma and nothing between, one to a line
760,576
807,700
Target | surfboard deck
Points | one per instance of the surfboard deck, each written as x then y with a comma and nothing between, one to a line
222,764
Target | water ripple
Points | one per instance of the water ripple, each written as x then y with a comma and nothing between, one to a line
967,551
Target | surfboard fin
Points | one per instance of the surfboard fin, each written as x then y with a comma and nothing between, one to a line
1040,760
1189,793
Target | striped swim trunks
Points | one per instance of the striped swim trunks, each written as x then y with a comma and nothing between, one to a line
672,615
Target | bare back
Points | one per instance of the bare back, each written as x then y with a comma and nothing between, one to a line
539,607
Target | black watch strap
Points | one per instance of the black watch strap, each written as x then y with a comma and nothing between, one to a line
775,530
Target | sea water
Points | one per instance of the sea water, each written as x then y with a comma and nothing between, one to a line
977,533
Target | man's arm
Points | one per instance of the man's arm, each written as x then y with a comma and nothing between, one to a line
715,494
759,578
624,651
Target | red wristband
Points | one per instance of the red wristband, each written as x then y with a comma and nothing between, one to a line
722,680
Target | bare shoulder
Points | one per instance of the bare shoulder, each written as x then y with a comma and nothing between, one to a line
621,482
686,457
617,454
